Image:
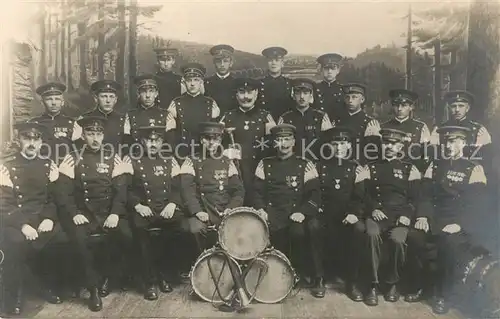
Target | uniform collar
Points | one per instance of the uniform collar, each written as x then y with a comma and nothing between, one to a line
274,77
222,77
52,116
403,120
149,107
351,114
105,113
248,110
283,158
303,111
191,95
330,83
26,157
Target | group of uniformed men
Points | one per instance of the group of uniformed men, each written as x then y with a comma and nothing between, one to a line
258,143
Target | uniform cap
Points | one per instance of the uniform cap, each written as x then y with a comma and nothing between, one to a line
92,123
105,86
392,135
30,129
164,52
303,83
51,88
243,83
330,59
354,88
338,133
222,51
211,128
451,132
403,95
459,96
153,132
194,70
283,130
145,80
274,52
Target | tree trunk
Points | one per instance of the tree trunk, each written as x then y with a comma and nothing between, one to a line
63,43
438,107
42,75
100,44
55,75
132,49
82,52
120,61
70,63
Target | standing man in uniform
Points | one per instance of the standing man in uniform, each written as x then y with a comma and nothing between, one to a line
189,110
276,91
343,193
392,189
417,133
94,186
220,86
168,82
115,127
29,220
210,184
251,129
365,128
154,199
451,189
329,95
287,188
309,122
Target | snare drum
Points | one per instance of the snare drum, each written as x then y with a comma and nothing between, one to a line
243,233
202,282
277,283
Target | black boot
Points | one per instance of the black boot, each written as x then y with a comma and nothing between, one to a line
371,298
17,307
151,292
95,301
51,296
104,288
415,297
354,293
392,295
440,306
318,289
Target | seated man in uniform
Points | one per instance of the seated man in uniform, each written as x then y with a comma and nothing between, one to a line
287,188
94,188
450,191
392,189
210,184
28,214
154,199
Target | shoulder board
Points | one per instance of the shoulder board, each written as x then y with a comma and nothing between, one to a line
119,113
177,98
418,121
208,98
369,117
268,158
319,111
372,162
286,113
472,162
353,161
475,123
405,162
89,112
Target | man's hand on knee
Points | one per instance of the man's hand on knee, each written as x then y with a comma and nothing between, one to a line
29,232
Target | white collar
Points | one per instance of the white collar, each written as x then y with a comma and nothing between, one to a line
304,110
247,110
191,95
351,114
222,77
403,120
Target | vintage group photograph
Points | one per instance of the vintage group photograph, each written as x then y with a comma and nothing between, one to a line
281,159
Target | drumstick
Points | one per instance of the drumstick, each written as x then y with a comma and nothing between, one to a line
230,131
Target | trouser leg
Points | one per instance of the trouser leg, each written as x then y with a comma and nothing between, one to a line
374,238
396,253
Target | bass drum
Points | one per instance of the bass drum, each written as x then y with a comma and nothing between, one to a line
243,233
277,283
202,281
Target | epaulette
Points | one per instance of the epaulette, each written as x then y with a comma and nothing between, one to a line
418,121
287,112
475,123
177,98
472,162
319,111
209,98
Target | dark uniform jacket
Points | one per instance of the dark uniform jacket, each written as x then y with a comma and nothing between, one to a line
187,112
450,192
275,95
309,125
140,116
222,90
210,185
329,98
287,186
392,186
27,191
155,183
169,87
115,128
342,188
94,185
59,129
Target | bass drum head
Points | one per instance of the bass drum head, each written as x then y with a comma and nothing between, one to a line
277,283
243,235
201,278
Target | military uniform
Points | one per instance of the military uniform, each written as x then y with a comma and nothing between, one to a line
209,184
284,186
27,194
276,92
156,185
342,193
309,123
60,128
116,127
418,134
451,191
392,187
221,88
188,111
329,96
95,187
252,129
169,83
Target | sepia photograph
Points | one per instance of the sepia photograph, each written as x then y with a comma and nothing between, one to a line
250,159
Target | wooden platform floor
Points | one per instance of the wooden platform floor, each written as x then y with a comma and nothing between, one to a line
179,304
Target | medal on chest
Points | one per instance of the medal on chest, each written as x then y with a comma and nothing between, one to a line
60,132
246,127
337,183
455,176
159,170
102,168
291,181
220,176
398,173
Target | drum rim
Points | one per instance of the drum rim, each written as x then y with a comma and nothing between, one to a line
201,257
243,209
283,257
